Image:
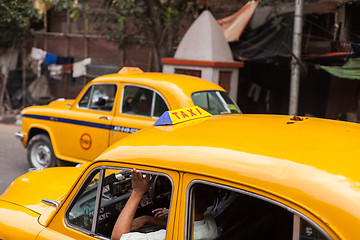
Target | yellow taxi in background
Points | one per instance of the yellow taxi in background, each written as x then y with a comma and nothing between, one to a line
267,177
109,108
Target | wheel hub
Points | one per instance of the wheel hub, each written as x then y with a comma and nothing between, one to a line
41,156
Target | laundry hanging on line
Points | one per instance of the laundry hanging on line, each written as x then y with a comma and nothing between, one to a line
56,71
79,68
50,58
38,55
68,65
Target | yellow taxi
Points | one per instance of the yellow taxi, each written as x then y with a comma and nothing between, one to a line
109,108
260,177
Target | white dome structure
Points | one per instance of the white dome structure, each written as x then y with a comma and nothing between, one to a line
204,41
204,52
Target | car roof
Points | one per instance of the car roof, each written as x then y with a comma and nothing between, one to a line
163,81
313,163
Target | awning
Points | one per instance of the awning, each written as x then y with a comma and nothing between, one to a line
268,40
350,70
234,25
268,35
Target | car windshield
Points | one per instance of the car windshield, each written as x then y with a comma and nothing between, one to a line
215,102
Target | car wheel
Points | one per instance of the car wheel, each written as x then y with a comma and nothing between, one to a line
40,153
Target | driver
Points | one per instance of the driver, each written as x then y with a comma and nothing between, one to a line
99,93
125,222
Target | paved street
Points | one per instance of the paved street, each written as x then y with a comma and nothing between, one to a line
13,161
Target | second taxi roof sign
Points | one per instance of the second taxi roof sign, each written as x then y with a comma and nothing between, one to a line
181,115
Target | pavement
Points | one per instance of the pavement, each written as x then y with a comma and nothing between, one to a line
11,119
13,161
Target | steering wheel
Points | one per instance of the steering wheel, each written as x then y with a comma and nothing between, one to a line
160,192
153,188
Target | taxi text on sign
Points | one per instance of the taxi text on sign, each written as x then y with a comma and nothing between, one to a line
181,115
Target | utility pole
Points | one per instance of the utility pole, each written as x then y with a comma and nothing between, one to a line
295,61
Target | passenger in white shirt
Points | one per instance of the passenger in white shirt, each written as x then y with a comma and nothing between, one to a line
204,226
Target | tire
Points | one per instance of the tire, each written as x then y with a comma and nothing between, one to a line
63,163
40,153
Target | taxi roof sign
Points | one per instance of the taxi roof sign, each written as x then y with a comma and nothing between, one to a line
127,70
181,115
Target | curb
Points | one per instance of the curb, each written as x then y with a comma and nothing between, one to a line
11,119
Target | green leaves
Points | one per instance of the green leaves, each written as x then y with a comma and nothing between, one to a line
15,19
170,16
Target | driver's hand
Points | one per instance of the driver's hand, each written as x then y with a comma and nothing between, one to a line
140,183
161,212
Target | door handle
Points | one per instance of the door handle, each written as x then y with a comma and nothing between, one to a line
104,117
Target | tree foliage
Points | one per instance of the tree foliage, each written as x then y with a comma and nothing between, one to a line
15,19
152,22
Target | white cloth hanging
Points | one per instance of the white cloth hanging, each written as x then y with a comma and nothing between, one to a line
38,55
79,68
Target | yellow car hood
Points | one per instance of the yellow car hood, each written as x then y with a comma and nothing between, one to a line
52,183
62,103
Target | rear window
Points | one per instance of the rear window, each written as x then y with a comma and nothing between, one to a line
215,102
230,214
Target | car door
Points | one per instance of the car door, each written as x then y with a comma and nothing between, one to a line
92,208
232,211
86,127
140,107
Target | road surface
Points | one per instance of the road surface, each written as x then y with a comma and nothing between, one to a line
13,161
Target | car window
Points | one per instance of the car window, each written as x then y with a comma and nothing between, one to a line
84,101
309,231
82,212
160,106
142,101
216,212
215,102
99,97
101,199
